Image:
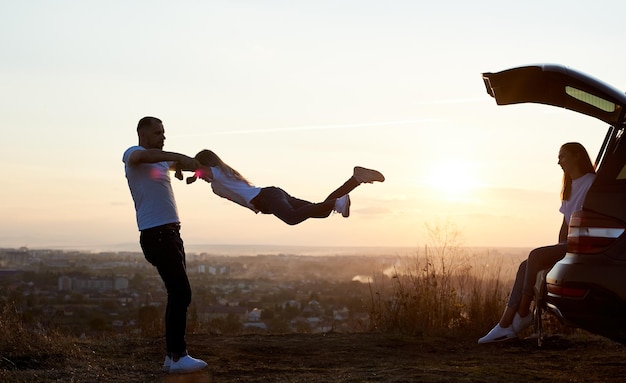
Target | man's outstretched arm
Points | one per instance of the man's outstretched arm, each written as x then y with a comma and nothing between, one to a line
150,156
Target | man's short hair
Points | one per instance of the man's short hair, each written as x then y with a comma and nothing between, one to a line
147,122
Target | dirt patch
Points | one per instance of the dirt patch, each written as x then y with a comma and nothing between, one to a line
339,358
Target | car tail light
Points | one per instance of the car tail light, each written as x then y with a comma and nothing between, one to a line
569,292
591,233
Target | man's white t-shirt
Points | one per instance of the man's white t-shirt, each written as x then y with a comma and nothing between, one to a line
152,193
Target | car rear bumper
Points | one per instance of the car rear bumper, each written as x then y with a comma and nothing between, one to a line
600,309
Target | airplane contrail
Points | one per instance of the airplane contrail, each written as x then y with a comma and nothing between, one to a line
466,100
317,127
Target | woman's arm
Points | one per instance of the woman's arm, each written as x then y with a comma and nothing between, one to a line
563,232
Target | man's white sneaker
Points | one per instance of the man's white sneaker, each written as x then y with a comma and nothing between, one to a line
186,364
342,205
498,334
364,175
520,324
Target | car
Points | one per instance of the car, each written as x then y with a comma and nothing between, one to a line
587,288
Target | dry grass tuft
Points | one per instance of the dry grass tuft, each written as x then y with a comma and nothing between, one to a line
443,290
25,348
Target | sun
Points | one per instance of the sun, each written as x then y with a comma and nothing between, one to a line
453,180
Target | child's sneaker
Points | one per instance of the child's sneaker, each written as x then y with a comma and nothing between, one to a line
342,205
364,175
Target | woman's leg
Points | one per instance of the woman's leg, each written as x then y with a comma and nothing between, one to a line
515,297
504,330
522,293
539,259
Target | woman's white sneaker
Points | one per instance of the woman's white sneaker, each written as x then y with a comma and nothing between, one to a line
520,324
498,334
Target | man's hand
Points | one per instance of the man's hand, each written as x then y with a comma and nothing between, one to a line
202,172
178,173
187,164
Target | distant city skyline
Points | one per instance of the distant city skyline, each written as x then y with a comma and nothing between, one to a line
287,250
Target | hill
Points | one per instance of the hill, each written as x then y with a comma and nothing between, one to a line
334,357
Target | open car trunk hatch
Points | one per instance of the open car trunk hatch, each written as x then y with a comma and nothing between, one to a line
559,86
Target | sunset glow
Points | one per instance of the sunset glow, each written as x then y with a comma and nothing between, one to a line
453,180
292,94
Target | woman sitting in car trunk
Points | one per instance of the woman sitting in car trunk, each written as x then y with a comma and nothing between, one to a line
578,175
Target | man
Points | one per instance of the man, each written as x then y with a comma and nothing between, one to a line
147,169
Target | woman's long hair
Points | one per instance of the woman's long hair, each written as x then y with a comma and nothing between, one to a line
583,162
208,158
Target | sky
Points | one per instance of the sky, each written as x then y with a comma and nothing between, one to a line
294,94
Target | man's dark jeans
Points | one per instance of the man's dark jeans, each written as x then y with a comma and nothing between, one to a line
163,247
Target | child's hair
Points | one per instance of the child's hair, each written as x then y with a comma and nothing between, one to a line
208,158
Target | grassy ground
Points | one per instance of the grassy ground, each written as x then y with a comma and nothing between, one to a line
329,358
443,291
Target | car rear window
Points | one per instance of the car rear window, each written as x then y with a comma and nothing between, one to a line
608,192
613,170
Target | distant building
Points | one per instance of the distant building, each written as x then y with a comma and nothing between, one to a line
292,304
312,308
15,257
341,314
219,270
65,283
82,284
120,283
208,313
257,325
255,315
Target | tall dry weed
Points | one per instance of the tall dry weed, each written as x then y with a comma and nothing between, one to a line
444,288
